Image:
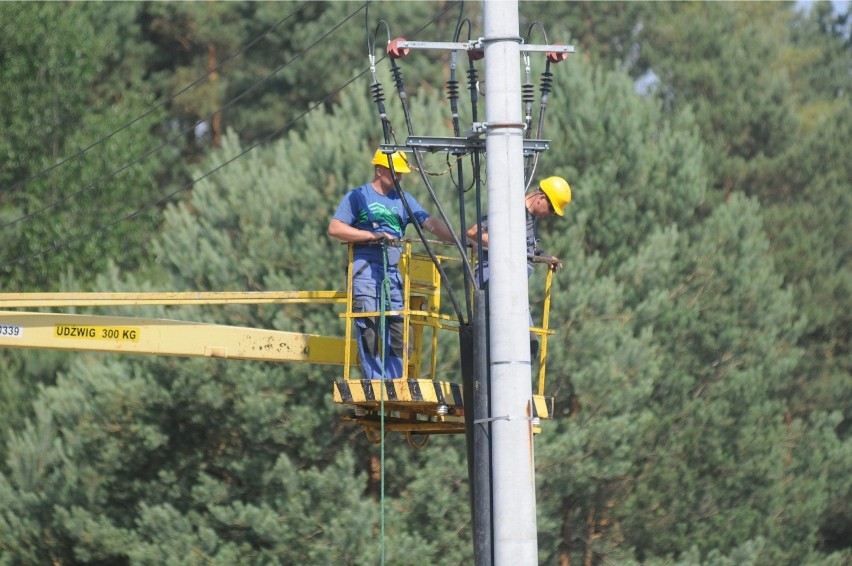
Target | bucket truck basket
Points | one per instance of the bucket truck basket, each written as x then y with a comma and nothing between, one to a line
427,398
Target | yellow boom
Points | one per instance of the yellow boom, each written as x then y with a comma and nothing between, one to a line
160,336
163,337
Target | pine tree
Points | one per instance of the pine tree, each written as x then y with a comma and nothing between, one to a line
699,368
74,180
230,461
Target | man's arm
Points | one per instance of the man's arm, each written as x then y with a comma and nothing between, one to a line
438,228
472,233
343,231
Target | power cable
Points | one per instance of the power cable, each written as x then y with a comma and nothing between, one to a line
151,110
166,198
403,97
103,228
388,131
169,141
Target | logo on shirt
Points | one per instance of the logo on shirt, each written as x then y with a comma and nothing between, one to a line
382,215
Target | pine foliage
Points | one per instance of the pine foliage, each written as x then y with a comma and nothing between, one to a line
701,361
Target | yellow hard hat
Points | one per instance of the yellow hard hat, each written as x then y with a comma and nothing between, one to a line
558,192
400,163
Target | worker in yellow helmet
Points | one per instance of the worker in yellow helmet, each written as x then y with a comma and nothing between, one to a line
365,216
551,198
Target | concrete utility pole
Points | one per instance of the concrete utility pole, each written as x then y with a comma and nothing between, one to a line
504,524
513,461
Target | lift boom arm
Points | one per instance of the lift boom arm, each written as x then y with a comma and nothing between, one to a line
53,331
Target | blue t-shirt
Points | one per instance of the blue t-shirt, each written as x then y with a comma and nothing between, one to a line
366,209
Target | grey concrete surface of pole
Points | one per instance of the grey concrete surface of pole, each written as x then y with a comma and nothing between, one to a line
513,484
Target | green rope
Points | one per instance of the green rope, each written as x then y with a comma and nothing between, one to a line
385,303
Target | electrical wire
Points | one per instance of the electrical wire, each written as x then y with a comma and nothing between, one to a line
163,199
532,163
170,141
171,195
453,91
403,97
157,106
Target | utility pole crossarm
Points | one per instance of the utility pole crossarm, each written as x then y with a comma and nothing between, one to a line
478,44
460,146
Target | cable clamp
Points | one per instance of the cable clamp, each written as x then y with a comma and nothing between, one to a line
483,127
496,38
512,363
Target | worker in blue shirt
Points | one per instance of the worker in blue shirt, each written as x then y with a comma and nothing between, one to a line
365,216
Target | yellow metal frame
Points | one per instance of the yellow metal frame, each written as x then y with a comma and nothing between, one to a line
544,331
418,402
48,300
422,297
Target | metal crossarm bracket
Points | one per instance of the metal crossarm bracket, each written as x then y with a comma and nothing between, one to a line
458,146
480,44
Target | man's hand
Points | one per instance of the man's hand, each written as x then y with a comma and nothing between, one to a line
353,235
379,236
554,263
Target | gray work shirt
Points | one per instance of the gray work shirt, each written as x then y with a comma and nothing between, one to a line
532,246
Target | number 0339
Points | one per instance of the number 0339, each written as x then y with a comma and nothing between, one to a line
12,330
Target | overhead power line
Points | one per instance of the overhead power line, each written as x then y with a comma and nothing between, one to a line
171,140
186,186
156,107
163,199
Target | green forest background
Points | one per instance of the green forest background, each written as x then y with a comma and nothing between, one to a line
701,368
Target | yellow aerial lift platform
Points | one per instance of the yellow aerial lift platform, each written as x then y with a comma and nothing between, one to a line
416,403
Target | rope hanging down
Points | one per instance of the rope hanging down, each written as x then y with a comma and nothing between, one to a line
384,299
